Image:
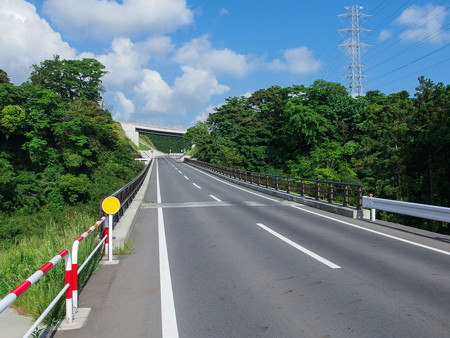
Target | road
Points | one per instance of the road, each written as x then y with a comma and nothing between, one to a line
235,263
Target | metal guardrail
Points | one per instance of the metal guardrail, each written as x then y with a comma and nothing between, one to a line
126,194
347,194
426,211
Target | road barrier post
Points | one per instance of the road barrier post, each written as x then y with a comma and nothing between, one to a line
75,245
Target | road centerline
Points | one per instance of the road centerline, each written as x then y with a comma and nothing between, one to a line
299,247
214,197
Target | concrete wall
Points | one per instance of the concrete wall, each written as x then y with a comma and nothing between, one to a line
130,131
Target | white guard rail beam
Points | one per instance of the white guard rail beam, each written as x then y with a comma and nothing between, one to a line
407,208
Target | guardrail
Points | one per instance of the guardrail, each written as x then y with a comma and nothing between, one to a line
126,194
406,208
75,270
347,194
18,291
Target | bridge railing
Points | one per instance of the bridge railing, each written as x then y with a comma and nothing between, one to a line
347,194
126,194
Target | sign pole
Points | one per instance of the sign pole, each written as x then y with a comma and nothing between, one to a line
111,206
110,236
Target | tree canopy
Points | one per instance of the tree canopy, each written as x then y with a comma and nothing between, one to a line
58,145
396,145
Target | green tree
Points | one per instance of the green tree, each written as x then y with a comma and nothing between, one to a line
70,79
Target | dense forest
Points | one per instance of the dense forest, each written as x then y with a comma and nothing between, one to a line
59,146
396,145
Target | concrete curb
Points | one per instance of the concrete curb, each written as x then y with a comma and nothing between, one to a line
125,225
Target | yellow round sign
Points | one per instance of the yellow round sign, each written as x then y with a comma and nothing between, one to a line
111,205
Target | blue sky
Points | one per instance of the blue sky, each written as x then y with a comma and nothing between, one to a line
171,62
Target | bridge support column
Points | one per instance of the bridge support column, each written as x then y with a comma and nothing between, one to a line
130,131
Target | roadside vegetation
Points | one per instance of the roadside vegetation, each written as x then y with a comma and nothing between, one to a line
60,155
396,145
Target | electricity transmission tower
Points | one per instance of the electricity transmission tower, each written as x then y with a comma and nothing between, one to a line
353,46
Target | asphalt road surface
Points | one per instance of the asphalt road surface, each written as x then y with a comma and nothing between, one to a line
212,259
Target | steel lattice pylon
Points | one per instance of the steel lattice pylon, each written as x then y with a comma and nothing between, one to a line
355,70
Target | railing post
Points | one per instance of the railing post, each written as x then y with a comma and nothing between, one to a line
317,190
359,198
331,193
69,280
267,181
276,183
288,188
345,195
302,191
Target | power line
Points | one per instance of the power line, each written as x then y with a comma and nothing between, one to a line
414,61
417,72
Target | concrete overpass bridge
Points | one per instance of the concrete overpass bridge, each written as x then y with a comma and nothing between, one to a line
132,131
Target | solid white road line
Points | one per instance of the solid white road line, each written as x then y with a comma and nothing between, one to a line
168,315
375,232
195,185
299,247
214,197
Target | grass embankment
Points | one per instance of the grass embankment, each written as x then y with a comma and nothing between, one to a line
21,257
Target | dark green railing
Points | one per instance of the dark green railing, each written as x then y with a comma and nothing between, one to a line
347,194
126,194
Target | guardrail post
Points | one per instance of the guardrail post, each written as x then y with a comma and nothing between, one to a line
276,183
288,188
331,193
69,300
317,190
345,204
267,181
359,198
302,191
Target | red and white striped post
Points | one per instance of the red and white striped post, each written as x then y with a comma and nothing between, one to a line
75,245
10,298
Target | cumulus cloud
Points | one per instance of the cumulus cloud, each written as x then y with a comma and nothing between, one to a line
299,61
199,53
384,35
108,19
423,22
26,39
125,108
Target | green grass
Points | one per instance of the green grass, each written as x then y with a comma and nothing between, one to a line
20,258
126,250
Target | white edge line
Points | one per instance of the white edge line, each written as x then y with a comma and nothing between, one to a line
376,232
300,248
214,197
195,185
168,315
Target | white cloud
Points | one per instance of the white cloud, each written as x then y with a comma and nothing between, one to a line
384,35
203,115
26,39
196,86
123,64
424,22
125,107
299,61
108,19
223,11
199,53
